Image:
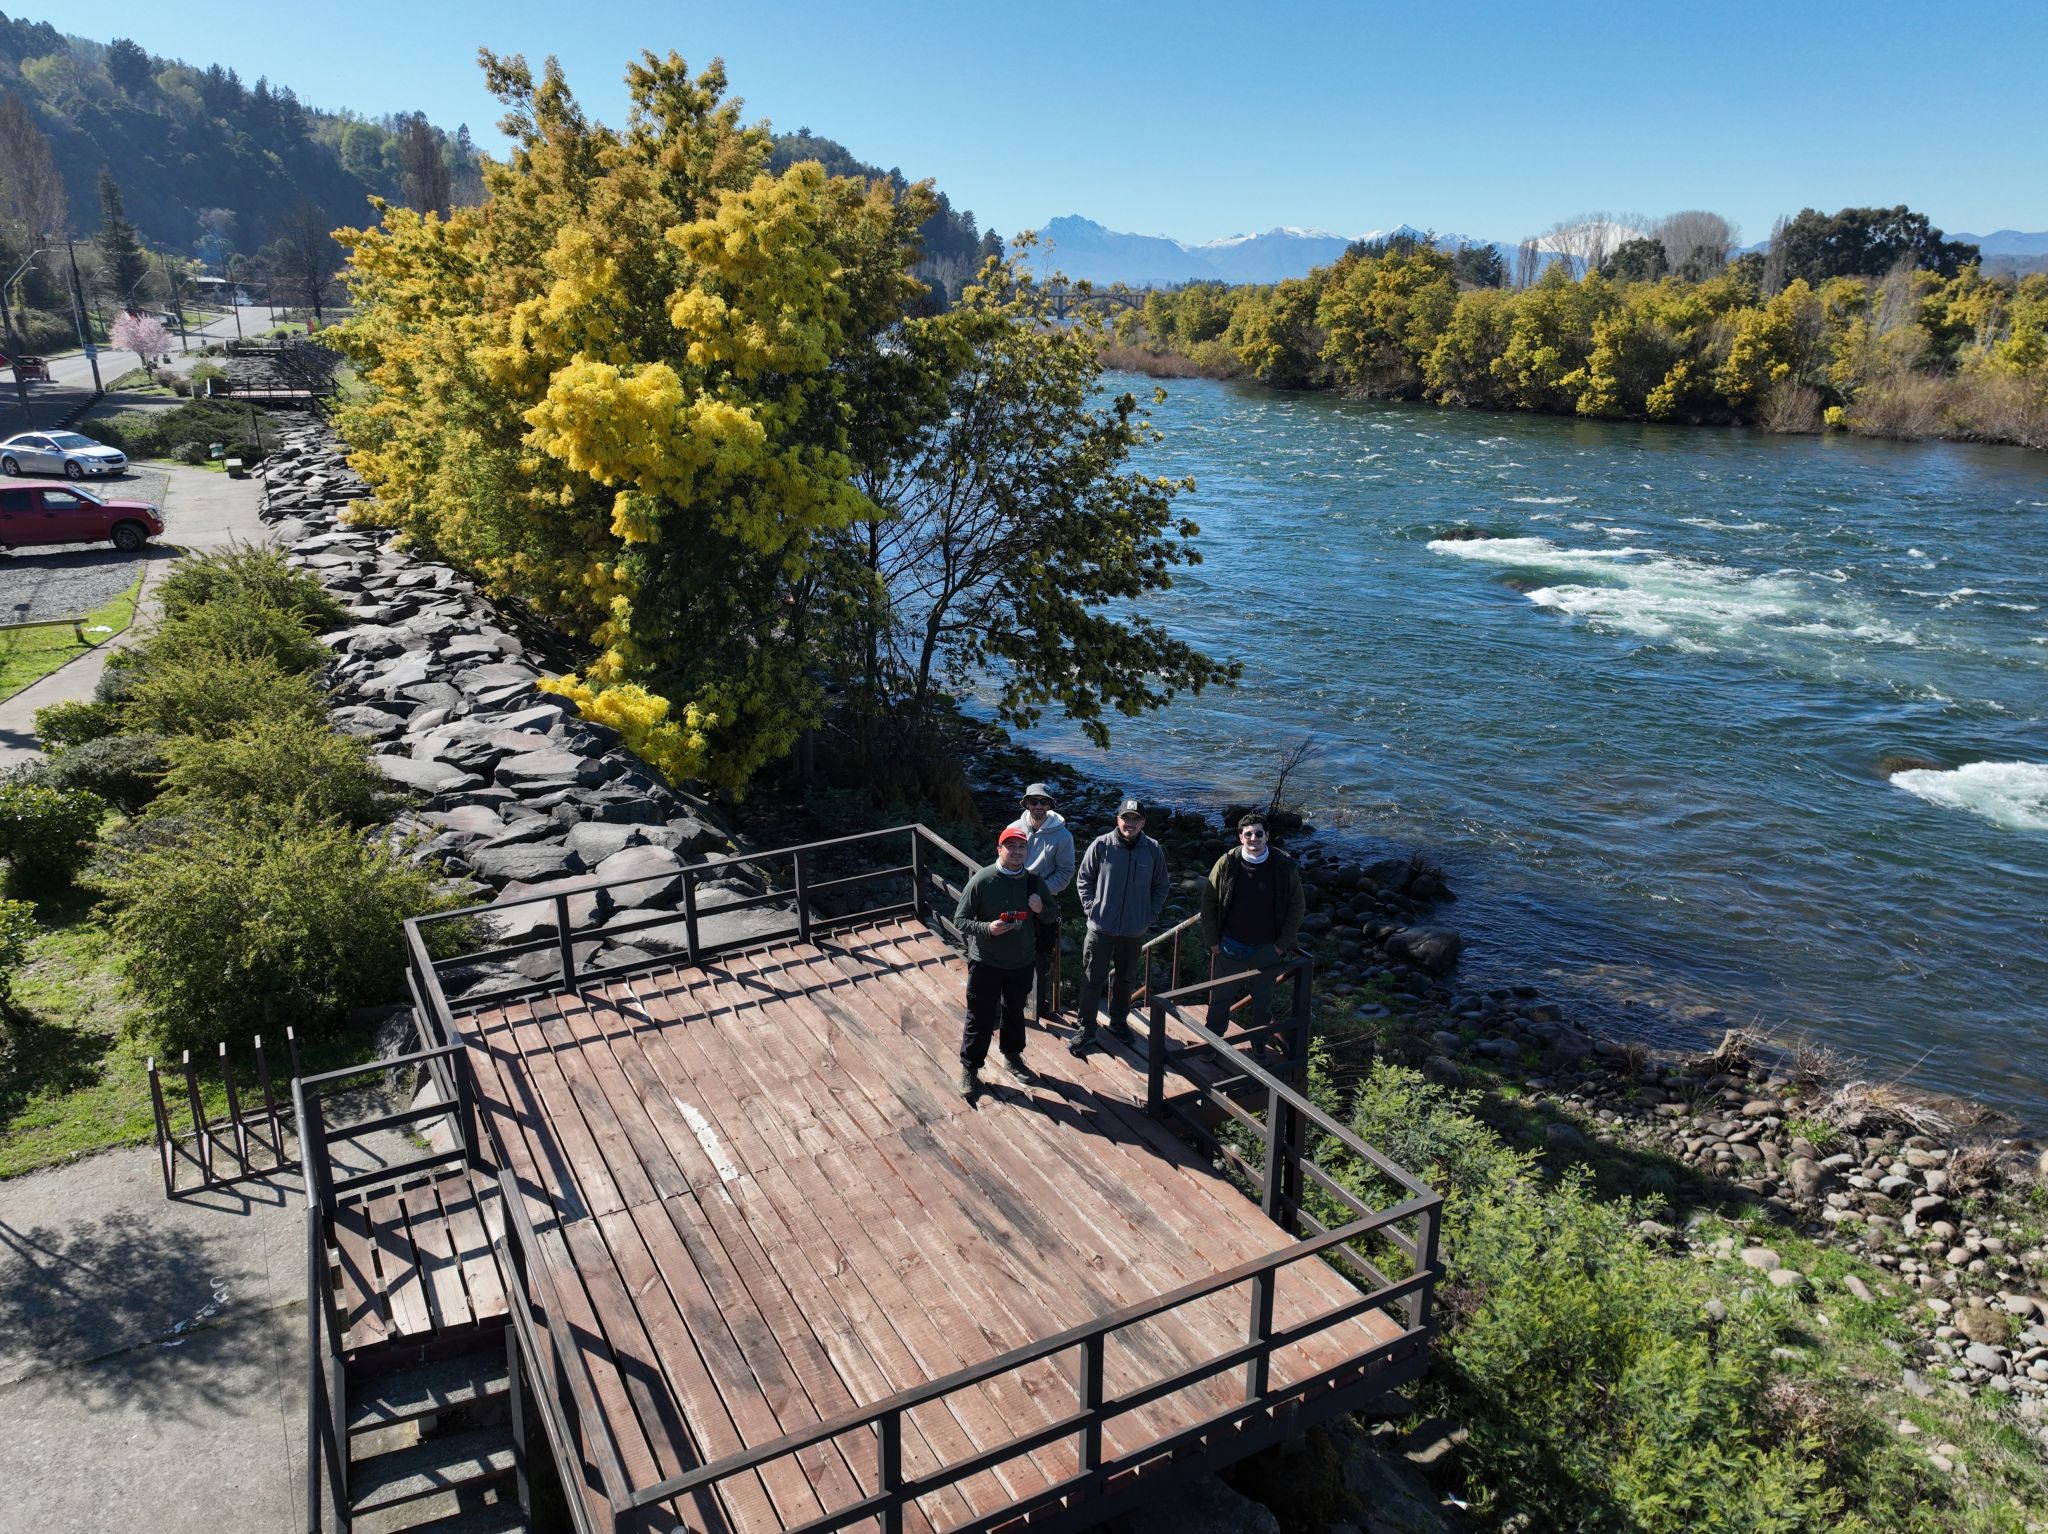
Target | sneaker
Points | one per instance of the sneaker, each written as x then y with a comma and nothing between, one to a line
1121,1032
970,1081
1014,1067
1082,1041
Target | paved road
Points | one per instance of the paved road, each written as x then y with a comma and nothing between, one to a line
70,382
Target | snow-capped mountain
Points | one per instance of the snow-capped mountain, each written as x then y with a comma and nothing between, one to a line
1082,248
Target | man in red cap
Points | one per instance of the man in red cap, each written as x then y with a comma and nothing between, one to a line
996,914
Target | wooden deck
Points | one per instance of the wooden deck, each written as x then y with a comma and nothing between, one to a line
413,1264
760,1204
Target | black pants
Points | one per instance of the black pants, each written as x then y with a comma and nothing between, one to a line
992,992
1042,997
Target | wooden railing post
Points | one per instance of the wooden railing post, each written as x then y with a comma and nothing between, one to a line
889,1465
803,904
167,1147
1092,1349
1155,1061
202,1142
227,1076
1258,1372
916,874
565,942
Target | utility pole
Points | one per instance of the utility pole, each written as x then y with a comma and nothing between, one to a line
172,283
234,296
92,352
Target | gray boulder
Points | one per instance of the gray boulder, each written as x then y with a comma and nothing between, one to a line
541,772
1433,950
427,777
661,870
525,862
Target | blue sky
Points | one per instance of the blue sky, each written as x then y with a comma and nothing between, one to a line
1202,120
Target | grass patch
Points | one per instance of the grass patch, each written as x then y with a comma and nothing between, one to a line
74,1075
29,655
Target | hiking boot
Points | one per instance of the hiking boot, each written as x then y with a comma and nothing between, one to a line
1082,1041
970,1081
1013,1066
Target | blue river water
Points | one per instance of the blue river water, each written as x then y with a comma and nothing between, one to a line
1641,723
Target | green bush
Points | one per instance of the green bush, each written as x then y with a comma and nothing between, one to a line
124,770
17,930
123,674
209,694
293,761
250,570
244,926
160,433
239,624
193,453
46,833
63,725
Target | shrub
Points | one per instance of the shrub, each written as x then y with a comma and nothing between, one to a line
124,770
194,453
242,926
123,674
237,624
295,760
46,832
159,433
209,694
63,725
253,570
17,929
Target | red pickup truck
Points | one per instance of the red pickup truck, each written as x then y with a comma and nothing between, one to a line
49,511
31,367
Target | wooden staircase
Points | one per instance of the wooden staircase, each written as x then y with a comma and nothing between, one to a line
431,1447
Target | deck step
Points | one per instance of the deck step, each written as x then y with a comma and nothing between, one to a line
500,1518
443,1385
438,1464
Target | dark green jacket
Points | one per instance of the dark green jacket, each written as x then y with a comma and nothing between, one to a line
1221,889
988,895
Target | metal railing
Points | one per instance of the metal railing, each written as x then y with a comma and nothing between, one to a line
235,1138
543,1344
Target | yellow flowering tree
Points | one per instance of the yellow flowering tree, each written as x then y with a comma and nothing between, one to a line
617,391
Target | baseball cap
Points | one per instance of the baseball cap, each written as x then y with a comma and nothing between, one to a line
1011,834
1131,807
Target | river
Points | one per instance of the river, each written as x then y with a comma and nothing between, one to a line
1640,724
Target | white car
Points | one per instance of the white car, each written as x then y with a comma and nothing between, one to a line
59,452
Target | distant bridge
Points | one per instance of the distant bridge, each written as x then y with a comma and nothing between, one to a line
1063,298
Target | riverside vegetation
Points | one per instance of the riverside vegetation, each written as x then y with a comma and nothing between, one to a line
1916,347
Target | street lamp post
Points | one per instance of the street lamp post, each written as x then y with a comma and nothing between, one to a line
14,341
92,352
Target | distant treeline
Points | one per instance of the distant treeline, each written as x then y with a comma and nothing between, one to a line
1866,320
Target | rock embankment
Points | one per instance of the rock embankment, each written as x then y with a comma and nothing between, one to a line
510,791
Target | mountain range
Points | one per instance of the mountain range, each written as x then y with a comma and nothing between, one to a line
1082,248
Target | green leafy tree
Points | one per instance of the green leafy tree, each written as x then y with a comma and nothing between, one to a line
1381,315
1641,259
1009,533
1479,266
1275,335
1865,242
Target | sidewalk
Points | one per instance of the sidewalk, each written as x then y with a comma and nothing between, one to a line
152,1352
202,510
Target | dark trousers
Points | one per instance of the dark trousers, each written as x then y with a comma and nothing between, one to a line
1262,960
994,993
1043,1001
1115,960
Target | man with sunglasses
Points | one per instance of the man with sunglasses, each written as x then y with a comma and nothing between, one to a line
1049,853
1252,906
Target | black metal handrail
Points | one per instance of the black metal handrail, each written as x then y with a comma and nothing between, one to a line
1280,1182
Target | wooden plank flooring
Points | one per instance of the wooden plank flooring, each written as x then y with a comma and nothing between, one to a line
412,1263
762,1205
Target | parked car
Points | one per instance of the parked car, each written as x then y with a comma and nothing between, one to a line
59,452
44,511
28,367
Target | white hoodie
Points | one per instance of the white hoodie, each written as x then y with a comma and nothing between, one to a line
1051,854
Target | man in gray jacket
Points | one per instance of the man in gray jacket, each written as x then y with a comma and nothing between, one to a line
1123,885
1049,854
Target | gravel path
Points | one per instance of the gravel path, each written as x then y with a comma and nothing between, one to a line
65,580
